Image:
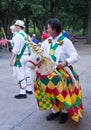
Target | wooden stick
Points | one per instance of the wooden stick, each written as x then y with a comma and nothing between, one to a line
3,32
5,37
44,30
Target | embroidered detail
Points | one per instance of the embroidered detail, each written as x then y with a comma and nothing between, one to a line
51,52
54,47
49,41
17,59
60,42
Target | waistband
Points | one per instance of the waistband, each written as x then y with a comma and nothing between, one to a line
27,54
71,67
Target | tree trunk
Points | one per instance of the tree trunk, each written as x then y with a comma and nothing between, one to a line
52,8
84,25
27,25
89,23
9,17
56,13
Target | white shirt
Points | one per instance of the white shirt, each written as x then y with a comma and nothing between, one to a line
64,52
19,42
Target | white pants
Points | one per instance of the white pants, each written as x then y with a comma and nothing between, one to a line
24,76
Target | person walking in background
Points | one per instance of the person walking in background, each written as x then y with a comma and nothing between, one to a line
34,39
19,58
65,33
63,53
44,36
13,31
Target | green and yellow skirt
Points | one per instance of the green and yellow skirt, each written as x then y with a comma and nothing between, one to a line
57,91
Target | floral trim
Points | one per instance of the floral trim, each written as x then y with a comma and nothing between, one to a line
49,41
60,42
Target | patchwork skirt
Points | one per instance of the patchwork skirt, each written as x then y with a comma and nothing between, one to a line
57,90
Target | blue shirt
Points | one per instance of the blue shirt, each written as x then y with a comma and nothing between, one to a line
35,41
66,35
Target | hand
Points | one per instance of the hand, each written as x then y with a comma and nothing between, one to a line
11,63
12,59
61,65
7,40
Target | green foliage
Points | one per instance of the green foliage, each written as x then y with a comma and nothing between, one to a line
1,34
31,31
70,12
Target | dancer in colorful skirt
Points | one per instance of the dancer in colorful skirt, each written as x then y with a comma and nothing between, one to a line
61,93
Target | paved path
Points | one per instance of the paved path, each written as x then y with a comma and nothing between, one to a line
24,115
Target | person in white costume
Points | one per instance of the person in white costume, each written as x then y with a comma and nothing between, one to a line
63,53
19,58
13,31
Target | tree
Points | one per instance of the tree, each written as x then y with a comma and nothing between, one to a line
71,13
89,23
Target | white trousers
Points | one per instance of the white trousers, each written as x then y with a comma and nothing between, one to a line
24,76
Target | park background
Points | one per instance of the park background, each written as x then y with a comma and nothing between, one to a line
74,15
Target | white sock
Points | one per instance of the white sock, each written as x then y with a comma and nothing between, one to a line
53,111
64,110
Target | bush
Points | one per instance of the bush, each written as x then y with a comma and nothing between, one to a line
1,35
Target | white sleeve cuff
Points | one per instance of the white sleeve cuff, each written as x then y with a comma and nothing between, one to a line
73,59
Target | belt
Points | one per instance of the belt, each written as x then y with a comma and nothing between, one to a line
71,67
27,54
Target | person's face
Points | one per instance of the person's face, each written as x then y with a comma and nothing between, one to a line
17,28
13,30
50,31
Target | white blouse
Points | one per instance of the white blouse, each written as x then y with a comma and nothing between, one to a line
19,42
64,52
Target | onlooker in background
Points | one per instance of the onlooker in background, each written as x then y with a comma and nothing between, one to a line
44,36
13,31
74,38
34,39
3,43
65,33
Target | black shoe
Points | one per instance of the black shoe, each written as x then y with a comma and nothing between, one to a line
20,96
52,116
63,118
29,92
